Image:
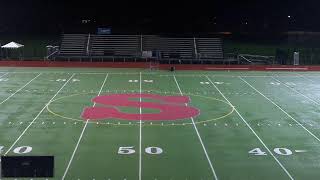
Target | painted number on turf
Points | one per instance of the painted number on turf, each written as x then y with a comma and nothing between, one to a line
4,80
133,81
130,150
280,151
257,152
61,80
153,150
22,150
148,81
126,150
275,83
283,151
19,150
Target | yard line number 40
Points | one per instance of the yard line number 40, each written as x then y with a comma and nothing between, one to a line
280,151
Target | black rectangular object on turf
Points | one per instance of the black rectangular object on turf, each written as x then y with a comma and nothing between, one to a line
27,166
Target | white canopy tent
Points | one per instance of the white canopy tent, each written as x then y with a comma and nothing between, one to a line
13,46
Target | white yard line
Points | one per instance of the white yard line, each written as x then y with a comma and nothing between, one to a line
20,89
140,133
26,129
304,77
315,102
82,132
265,146
200,139
281,109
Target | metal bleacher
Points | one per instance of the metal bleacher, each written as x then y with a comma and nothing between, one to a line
73,45
179,48
209,48
115,45
165,49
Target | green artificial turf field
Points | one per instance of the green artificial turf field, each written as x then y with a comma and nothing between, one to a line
245,125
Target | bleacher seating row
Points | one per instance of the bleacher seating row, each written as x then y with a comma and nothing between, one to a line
86,45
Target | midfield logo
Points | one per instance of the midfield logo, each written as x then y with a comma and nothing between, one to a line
170,107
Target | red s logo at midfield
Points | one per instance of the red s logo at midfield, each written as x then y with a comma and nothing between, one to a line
171,107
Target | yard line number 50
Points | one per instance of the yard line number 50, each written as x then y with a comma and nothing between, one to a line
130,150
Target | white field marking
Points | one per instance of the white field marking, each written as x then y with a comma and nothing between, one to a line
147,81
286,68
26,129
315,102
199,137
204,82
257,136
81,135
300,75
298,151
227,68
19,89
275,83
140,132
75,80
298,123
61,80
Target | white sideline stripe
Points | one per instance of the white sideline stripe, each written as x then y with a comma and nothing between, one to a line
140,133
200,139
25,130
81,135
265,146
20,89
315,102
281,109
229,68
287,68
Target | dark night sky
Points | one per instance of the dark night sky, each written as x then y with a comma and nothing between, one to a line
45,16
